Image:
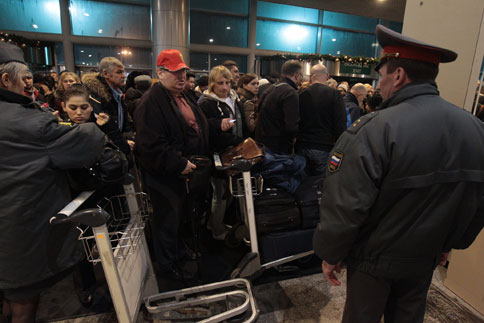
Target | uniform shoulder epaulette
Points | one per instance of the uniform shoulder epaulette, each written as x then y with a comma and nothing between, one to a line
358,124
66,123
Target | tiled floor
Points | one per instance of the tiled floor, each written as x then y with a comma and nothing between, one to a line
311,299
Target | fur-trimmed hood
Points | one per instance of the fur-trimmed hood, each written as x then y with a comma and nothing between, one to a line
97,86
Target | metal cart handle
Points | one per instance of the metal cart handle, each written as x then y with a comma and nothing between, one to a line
94,217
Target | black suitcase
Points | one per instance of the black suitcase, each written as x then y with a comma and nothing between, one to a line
275,211
276,246
307,198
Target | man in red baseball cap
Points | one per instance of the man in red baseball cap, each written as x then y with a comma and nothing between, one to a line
404,186
171,129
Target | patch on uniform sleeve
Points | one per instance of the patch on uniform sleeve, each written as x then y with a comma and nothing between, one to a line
335,161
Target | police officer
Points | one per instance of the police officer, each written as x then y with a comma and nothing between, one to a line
404,186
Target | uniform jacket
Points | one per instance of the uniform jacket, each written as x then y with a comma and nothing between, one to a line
278,121
403,185
323,117
36,151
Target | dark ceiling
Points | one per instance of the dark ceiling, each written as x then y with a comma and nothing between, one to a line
384,9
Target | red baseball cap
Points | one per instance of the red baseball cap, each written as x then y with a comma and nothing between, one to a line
395,45
171,59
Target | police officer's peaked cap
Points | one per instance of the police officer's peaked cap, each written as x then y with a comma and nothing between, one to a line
395,45
11,53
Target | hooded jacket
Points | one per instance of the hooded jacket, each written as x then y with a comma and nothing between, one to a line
399,192
36,151
102,100
215,109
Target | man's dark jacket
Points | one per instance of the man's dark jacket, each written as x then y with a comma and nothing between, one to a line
36,152
351,104
164,140
322,117
278,121
102,100
405,185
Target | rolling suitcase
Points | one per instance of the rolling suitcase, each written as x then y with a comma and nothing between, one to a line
276,246
275,211
307,198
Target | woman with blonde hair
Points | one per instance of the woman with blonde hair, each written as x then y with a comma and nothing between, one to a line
66,79
221,104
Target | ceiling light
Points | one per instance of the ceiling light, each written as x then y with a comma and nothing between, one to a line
90,55
210,40
334,39
374,44
35,26
100,31
298,48
228,27
86,14
258,44
338,52
119,53
214,59
82,51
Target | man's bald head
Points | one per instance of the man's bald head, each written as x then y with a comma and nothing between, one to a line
359,91
318,74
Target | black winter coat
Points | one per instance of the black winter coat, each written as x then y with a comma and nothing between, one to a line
323,117
278,121
36,152
403,185
164,140
102,100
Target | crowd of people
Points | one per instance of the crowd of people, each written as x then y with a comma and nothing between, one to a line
346,132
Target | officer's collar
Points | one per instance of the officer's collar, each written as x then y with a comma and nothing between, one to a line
409,91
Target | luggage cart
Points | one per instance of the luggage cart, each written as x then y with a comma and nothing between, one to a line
199,303
118,242
245,188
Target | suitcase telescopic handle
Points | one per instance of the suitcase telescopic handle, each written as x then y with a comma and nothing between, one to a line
93,217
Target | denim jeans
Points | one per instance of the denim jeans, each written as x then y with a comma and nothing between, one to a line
316,161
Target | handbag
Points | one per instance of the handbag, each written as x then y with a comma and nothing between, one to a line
111,168
248,150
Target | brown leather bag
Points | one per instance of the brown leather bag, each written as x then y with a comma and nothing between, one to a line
248,150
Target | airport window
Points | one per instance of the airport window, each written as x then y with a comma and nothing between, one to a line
31,15
286,12
336,19
90,55
102,19
218,30
232,6
288,37
338,42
